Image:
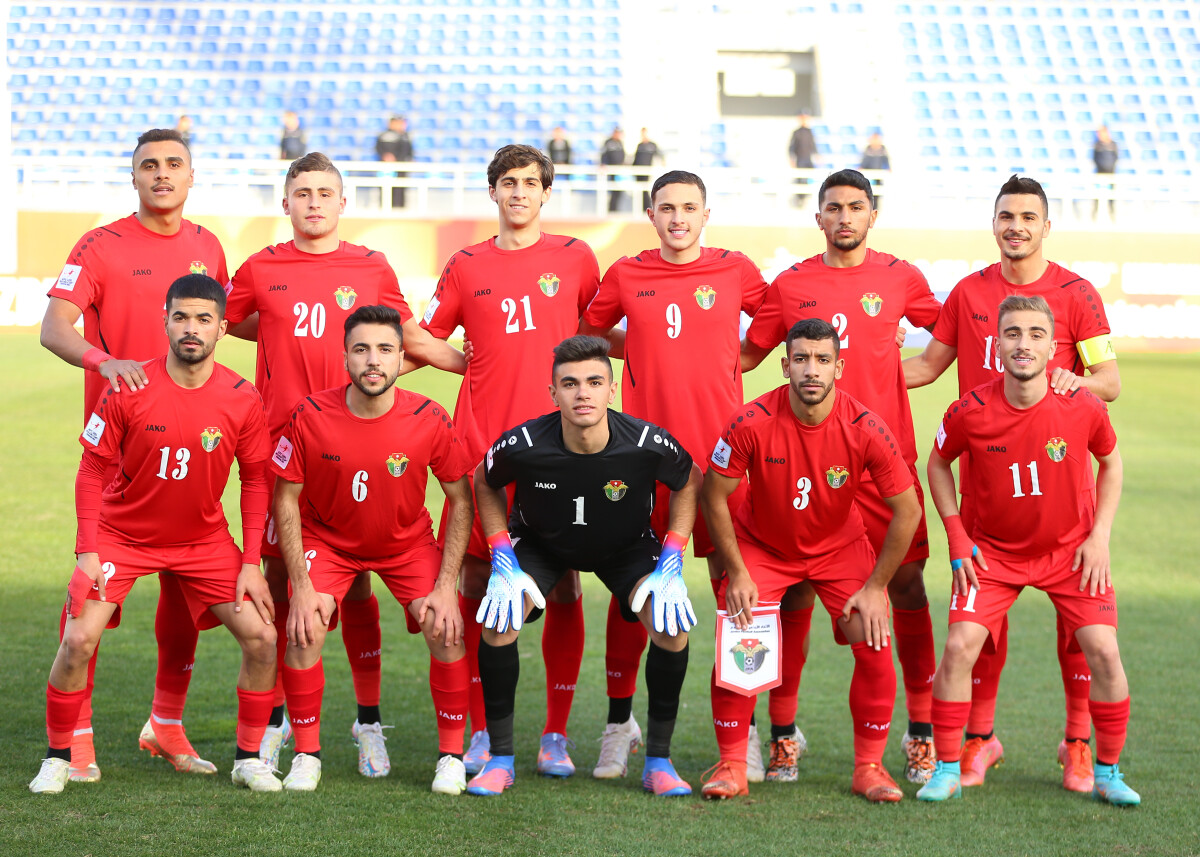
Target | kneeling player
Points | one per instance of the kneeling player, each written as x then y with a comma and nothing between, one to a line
176,440
585,480
806,448
1036,524
353,465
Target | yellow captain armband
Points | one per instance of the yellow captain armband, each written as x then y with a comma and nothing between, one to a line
1096,350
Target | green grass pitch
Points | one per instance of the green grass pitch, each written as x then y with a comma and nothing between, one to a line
142,807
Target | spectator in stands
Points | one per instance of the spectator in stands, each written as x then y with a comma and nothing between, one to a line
558,148
875,157
184,127
643,156
1104,155
293,142
394,144
801,149
612,154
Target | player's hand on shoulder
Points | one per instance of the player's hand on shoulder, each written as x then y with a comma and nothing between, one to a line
1092,561
127,372
252,583
1063,381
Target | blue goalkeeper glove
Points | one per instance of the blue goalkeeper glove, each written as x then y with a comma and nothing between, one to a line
670,609
504,603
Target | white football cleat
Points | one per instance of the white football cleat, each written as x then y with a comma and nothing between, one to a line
304,775
52,778
450,778
617,742
89,773
255,775
273,741
755,771
373,758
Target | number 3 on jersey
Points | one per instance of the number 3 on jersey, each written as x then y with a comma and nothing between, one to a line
803,486
513,322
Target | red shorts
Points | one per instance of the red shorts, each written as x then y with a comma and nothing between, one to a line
207,574
408,575
1007,575
876,515
702,545
834,576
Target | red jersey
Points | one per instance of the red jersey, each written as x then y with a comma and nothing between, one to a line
968,321
176,446
1031,473
865,303
682,370
118,276
302,300
364,479
803,479
515,306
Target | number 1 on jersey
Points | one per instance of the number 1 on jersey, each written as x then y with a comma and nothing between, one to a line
1036,490
579,512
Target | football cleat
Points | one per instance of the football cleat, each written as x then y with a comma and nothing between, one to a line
617,742
978,755
755,772
373,758
89,773
273,741
255,775
919,758
83,758
1109,787
784,766
478,753
659,777
304,775
945,783
52,778
874,783
450,778
1076,760
726,779
187,760
552,758
497,775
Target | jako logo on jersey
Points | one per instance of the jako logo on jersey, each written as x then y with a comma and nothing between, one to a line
197,268
837,476
871,303
645,293
706,296
771,460
329,456
978,316
548,485
141,272
1056,448
209,438
397,463
548,283
481,292
153,427
991,447
806,304
277,287
749,654
345,296
615,490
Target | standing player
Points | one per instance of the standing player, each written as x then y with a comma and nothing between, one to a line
288,297
964,331
807,449
680,300
517,295
116,276
175,442
1037,522
865,293
585,481
352,467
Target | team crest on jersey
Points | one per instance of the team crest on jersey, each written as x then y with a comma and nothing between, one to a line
706,296
615,490
749,654
1056,448
837,476
397,463
548,283
345,296
197,268
871,303
209,438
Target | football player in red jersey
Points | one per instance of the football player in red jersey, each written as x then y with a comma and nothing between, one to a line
865,294
516,295
352,467
175,441
293,298
679,300
807,449
116,276
1037,522
966,331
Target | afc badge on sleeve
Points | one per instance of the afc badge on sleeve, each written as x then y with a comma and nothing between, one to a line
430,310
283,452
720,456
94,430
69,277
941,435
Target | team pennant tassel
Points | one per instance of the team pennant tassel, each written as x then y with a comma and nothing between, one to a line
748,658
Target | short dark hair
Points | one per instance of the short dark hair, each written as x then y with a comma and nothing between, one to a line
847,178
517,156
1023,184
678,177
161,135
374,314
814,330
576,349
1025,303
197,287
313,162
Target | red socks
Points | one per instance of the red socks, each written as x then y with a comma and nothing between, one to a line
624,644
448,683
872,694
176,636
281,641
731,719
1077,685
918,659
985,684
948,720
62,715
469,607
254,710
304,691
794,630
562,649
1112,720
364,643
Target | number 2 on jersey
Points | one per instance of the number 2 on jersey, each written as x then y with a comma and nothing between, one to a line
841,323
513,324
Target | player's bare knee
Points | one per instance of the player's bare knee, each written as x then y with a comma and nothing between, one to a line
360,589
78,645
495,638
798,597
668,643
298,658
443,653
907,587
568,590
960,653
1103,657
